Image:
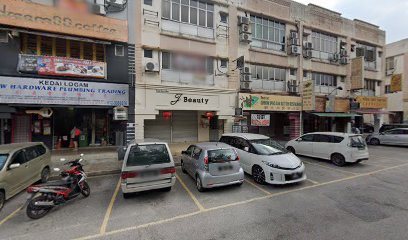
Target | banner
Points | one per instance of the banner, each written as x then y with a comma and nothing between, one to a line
61,66
357,73
249,101
372,102
396,83
308,95
260,120
62,92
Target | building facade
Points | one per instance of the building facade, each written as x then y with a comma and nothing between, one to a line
208,67
396,88
67,66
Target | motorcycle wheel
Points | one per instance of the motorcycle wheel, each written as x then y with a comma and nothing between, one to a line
37,212
86,190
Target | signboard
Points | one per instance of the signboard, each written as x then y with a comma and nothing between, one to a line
396,83
62,92
341,105
260,120
120,113
260,102
357,73
51,19
308,95
61,66
320,104
372,102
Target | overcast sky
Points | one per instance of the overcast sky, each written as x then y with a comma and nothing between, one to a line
390,15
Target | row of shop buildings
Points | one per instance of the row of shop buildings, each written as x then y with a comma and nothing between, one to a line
185,71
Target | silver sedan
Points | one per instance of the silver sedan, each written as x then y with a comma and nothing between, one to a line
396,136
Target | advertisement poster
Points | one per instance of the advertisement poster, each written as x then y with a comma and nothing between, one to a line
62,92
46,127
260,102
260,120
357,73
396,83
61,66
372,102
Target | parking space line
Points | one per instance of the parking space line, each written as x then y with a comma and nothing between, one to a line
237,203
10,215
312,181
195,200
374,165
257,187
334,169
109,209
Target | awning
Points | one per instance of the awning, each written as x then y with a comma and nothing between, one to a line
373,111
345,115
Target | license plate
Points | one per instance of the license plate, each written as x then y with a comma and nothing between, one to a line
225,168
149,173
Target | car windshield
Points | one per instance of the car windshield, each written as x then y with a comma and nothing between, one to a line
268,147
357,141
141,155
221,155
3,159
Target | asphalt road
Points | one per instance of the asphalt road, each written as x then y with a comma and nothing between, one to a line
359,201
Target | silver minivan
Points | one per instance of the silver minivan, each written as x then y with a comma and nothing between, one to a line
212,165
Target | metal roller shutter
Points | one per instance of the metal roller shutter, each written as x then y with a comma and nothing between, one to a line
185,126
159,129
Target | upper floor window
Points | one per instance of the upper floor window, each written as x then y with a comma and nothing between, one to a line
267,33
369,84
389,63
321,79
189,11
323,42
268,73
369,53
187,63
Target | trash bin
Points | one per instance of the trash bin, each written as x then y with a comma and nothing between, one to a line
83,141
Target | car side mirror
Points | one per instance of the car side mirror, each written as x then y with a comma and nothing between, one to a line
299,140
14,166
184,152
246,149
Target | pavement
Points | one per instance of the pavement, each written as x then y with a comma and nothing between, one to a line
358,201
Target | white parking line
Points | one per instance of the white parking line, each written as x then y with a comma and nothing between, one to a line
258,187
195,200
312,181
334,169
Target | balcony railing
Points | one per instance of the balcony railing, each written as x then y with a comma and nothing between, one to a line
186,28
325,89
264,85
186,78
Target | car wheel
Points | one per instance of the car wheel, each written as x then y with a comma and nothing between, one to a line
199,184
374,141
182,167
167,189
45,175
258,174
2,199
126,195
338,159
240,184
291,149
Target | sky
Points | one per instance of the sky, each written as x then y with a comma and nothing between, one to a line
390,15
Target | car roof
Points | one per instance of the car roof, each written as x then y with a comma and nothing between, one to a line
12,147
247,136
212,145
149,143
339,134
398,129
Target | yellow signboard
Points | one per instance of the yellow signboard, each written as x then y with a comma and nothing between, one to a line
308,95
396,83
260,102
341,105
372,102
357,73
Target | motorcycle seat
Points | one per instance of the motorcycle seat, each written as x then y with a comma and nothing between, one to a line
56,183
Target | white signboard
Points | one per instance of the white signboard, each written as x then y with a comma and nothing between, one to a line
62,92
185,101
260,120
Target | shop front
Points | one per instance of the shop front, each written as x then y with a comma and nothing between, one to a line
47,110
275,116
183,115
373,110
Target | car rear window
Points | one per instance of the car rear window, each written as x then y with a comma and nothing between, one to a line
141,155
3,159
221,155
357,141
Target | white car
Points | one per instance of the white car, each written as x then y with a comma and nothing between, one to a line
396,136
266,160
340,148
147,166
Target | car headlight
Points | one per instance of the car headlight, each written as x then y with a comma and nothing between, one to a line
271,164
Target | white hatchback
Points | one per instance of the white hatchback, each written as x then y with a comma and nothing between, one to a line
340,148
266,160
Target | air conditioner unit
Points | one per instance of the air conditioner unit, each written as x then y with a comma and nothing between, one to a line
294,50
293,41
244,28
3,37
293,35
343,52
245,85
245,78
308,54
308,45
245,37
292,86
246,71
152,67
243,20
343,60
334,57
98,9
389,72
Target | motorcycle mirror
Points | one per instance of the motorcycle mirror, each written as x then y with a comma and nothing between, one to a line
81,155
62,159
57,169
80,160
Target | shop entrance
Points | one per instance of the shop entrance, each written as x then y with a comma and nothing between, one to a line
278,128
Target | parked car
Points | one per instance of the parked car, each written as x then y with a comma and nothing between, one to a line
22,164
396,136
367,128
386,127
122,150
265,159
340,148
147,166
212,165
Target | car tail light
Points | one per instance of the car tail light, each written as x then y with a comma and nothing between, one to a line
237,158
30,189
206,163
126,175
169,170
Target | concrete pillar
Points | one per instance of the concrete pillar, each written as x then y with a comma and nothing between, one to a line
295,125
228,122
139,128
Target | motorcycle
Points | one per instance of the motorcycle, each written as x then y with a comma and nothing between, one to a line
42,198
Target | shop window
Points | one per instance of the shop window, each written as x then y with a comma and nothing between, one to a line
100,53
46,46
60,47
75,49
88,51
30,44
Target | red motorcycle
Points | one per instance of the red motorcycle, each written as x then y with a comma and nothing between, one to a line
42,198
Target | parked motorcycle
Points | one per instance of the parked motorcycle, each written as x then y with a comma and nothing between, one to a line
42,198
